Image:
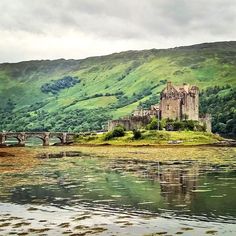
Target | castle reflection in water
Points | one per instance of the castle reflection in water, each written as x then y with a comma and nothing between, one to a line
177,180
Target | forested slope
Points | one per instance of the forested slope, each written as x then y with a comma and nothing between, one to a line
79,95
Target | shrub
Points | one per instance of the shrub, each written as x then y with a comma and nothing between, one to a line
184,125
189,124
137,134
108,136
153,125
118,131
178,125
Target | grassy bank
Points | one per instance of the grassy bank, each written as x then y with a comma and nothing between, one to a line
153,138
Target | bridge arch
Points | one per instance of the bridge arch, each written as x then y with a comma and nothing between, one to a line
44,136
11,137
34,139
19,136
59,135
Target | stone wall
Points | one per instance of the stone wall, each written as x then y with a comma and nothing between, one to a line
190,106
170,108
180,102
134,122
139,122
123,122
206,120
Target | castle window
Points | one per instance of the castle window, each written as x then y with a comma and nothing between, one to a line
168,107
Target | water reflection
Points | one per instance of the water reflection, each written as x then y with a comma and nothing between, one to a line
178,181
177,189
73,192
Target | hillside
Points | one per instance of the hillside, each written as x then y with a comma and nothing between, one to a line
79,95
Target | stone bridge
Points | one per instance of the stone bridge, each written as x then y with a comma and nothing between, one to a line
44,136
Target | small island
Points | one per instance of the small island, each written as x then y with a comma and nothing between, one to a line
175,120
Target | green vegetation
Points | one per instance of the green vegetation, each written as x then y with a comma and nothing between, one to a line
187,132
137,134
55,86
118,131
153,125
152,100
221,103
184,125
151,137
81,95
175,125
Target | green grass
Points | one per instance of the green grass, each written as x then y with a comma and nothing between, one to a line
205,66
93,103
154,138
123,111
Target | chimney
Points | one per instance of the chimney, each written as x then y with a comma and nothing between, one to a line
168,85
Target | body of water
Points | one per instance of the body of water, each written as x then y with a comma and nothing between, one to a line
81,193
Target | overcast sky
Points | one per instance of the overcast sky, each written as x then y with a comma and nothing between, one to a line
50,29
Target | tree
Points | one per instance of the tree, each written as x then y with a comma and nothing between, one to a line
221,127
118,131
137,134
153,125
178,125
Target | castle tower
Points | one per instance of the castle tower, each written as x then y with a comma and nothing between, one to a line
180,102
170,103
190,104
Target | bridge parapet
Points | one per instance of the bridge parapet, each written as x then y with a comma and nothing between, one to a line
44,136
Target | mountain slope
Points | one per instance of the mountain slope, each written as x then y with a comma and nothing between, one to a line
83,94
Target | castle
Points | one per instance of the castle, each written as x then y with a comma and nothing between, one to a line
176,103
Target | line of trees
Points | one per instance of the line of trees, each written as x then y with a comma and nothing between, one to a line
220,102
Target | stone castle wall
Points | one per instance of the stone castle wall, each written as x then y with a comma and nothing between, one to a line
206,121
190,107
180,102
131,123
123,122
170,108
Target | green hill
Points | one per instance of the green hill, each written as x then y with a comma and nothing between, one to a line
78,95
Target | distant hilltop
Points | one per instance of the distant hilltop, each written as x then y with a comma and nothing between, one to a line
130,54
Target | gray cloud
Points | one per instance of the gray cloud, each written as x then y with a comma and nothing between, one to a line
141,21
